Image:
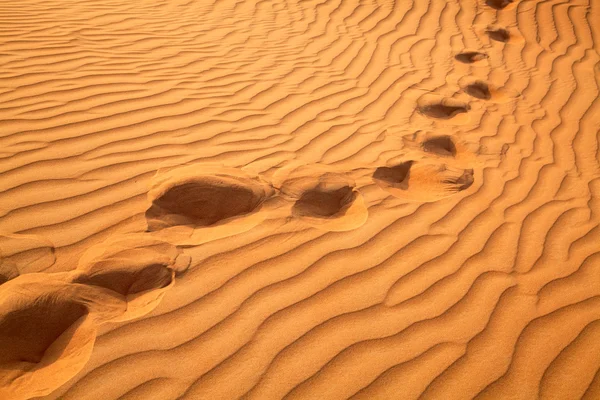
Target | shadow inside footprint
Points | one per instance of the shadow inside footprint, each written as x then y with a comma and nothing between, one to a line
499,35
204,202
479,90
442,111
320,202
125,282
26,333
440,145
397,175
471,57
498,4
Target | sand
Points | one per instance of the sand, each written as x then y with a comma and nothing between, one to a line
299,199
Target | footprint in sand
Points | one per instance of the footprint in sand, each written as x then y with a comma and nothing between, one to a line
47,331
500,4
21,254
499,35
321,198
441,145
137,268
422,181
479,90
48,322
424,147
196,203
443,109
484,91
470,57
504,35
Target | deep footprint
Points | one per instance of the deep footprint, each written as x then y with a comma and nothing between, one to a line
479,90
135,268
397,175
499,4
470,57
204,202
48,327
124,282
323,203
26,333
499,35
442,111
320,197
440,145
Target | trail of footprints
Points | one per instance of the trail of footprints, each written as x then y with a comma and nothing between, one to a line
48,321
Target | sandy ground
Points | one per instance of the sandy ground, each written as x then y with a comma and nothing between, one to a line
318,199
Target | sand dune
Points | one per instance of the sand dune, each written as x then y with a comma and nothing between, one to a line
312,200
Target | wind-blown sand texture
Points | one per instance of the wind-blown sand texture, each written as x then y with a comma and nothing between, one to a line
299,199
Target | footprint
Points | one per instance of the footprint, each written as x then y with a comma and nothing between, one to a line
396,176
219,201
26,333
418,181
444,109
470,57
499,35
441,145
139,268
48,322
24,254
321,198
484,91
206,201
479,90
47,331
430,147
500,4
322,202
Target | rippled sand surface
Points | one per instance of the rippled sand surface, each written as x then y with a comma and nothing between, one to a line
328,199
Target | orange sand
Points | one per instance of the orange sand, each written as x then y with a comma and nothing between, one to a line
230,199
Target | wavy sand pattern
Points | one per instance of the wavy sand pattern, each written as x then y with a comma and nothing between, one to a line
299,199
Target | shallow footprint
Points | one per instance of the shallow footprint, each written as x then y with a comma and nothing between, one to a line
416,181
47,331
24,254
470,57
219,201
137,267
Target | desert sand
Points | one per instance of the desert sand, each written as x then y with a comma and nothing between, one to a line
328,199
